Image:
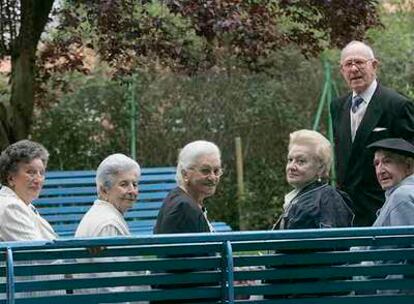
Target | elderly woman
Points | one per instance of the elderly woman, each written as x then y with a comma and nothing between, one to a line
117,186
312,203
22,173
198,173
394,167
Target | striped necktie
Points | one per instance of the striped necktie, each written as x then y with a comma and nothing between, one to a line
356,101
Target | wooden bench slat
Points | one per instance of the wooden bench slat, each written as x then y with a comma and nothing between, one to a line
91,198
292,276
92,173
130,280
154,205
73,191
91,180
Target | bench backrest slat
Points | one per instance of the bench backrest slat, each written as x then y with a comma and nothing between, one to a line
326,269
67,196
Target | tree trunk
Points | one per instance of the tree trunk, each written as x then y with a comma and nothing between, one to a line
16,117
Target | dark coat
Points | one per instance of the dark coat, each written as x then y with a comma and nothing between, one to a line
389,114
317,205
179,213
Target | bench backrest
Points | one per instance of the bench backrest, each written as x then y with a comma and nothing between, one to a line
314,266
67,195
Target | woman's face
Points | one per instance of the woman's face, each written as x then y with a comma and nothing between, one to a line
203,177
302,166
27,182
124,190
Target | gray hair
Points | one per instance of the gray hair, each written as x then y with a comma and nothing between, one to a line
320,146
111,166
367,50
23,151
403,159
190,153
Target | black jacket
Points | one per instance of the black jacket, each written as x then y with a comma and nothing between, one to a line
388,114
317,205
179,213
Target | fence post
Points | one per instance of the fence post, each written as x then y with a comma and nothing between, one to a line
240,182
133,117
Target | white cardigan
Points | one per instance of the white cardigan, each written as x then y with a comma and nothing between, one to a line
102,219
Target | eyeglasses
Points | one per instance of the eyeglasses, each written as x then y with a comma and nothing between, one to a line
359,63
207,171
33,173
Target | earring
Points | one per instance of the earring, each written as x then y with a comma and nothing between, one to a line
10,183
319,179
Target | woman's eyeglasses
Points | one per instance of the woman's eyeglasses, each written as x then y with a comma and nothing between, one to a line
207,171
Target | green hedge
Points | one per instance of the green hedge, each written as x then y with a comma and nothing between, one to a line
93,120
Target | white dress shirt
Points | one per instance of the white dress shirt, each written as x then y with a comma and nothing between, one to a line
20,221
357,117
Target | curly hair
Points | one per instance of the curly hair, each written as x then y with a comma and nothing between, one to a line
23,151
322,150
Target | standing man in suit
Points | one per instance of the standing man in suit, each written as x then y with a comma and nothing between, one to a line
369,113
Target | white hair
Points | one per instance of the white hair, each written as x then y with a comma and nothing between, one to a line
364,48
190,153
111,166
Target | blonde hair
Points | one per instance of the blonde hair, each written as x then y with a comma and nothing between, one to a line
321,147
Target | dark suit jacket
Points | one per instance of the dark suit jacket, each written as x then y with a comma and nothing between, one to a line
389,114
180,214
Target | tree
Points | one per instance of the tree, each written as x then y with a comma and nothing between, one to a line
16,115
185,36
194,35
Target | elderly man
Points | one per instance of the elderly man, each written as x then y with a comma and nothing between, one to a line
369,113
394,166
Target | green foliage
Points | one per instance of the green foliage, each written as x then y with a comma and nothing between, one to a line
86,124
394,46
91,121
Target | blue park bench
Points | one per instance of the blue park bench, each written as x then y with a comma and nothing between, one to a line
67,195
298,266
